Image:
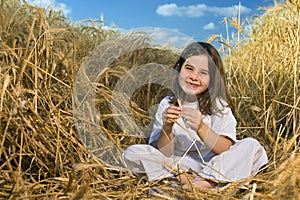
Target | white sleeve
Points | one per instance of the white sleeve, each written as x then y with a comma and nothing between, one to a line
224,124
158,123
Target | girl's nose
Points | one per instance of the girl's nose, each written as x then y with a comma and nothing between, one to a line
195,76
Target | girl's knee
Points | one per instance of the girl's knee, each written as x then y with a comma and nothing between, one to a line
131,151
132,148
250,143
136,151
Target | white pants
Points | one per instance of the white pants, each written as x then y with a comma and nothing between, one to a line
242,160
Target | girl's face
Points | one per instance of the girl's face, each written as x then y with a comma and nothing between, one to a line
194,75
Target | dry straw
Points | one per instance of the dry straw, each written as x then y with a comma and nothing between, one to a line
41,155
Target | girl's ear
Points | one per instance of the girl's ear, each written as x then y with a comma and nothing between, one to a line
177,67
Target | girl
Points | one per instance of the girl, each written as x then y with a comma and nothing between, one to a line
194,129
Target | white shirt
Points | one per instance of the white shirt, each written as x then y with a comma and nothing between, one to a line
222,124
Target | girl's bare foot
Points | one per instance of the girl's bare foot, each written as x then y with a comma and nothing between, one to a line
200,184
182,178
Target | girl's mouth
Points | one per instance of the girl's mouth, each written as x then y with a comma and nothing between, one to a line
193,85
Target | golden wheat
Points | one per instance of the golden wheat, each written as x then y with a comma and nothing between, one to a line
42,154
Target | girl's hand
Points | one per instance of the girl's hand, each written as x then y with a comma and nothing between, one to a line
170,115
192,118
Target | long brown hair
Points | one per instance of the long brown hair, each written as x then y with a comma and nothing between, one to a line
217,89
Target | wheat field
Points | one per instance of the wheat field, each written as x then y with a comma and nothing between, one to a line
42,155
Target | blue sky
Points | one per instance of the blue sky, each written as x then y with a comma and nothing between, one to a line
196,19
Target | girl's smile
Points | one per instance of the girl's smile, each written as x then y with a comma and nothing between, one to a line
194,75
193,85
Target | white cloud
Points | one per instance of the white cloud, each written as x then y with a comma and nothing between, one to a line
209,26
174,10
162,36
229,11
51,3
199,10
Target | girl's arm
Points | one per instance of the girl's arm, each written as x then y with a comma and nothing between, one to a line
165,142
217,143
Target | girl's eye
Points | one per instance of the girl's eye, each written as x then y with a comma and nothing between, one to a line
204,73
188,67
